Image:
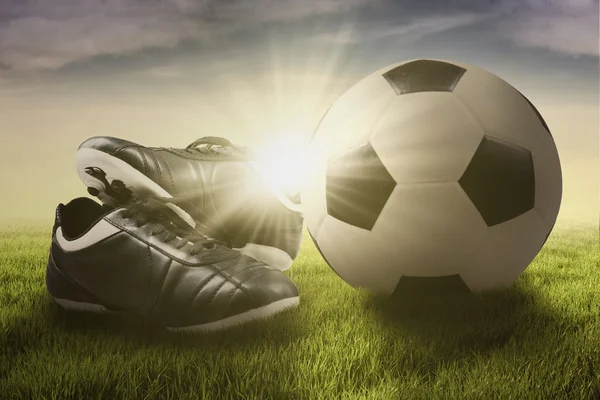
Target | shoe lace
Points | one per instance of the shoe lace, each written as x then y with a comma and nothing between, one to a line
157,211
209,145
216,145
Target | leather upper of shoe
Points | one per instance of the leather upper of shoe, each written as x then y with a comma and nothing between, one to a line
227,189
149,162
175,170
107,144
134,269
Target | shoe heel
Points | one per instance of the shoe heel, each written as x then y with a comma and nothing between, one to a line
69,294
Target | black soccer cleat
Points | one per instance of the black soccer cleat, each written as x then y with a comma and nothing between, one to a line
146,259
219,179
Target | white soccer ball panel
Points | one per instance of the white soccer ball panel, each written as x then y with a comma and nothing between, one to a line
357,256
426,242
504,252
351,119
548,181
434,226
426,137
499,108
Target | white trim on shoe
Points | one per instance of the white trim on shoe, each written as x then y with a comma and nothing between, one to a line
81,306
97,233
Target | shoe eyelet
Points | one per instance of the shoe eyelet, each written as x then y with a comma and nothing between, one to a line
210,246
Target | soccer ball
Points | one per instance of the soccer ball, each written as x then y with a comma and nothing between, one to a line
431,170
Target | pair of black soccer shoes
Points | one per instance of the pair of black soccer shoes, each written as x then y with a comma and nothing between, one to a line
194,239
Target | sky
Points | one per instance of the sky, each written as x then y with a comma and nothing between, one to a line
164,73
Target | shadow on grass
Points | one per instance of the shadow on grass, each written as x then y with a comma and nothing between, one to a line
46,322
461,326
41,331
140,331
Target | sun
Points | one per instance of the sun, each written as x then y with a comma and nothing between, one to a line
284,162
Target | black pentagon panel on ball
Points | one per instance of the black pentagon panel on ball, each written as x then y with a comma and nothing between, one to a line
357,187
427,286
424,76
500,180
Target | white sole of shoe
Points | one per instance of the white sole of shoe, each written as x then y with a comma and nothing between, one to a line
140,184
250,315
80,306
247,316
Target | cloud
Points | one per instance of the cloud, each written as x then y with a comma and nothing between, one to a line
565,26
47,35
164,72
408,31
40,35
277,10
45,38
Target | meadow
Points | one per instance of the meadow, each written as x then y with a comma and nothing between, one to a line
538,339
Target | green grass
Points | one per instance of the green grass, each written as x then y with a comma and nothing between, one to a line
539,339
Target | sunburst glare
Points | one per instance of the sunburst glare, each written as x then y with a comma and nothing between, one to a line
284,162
